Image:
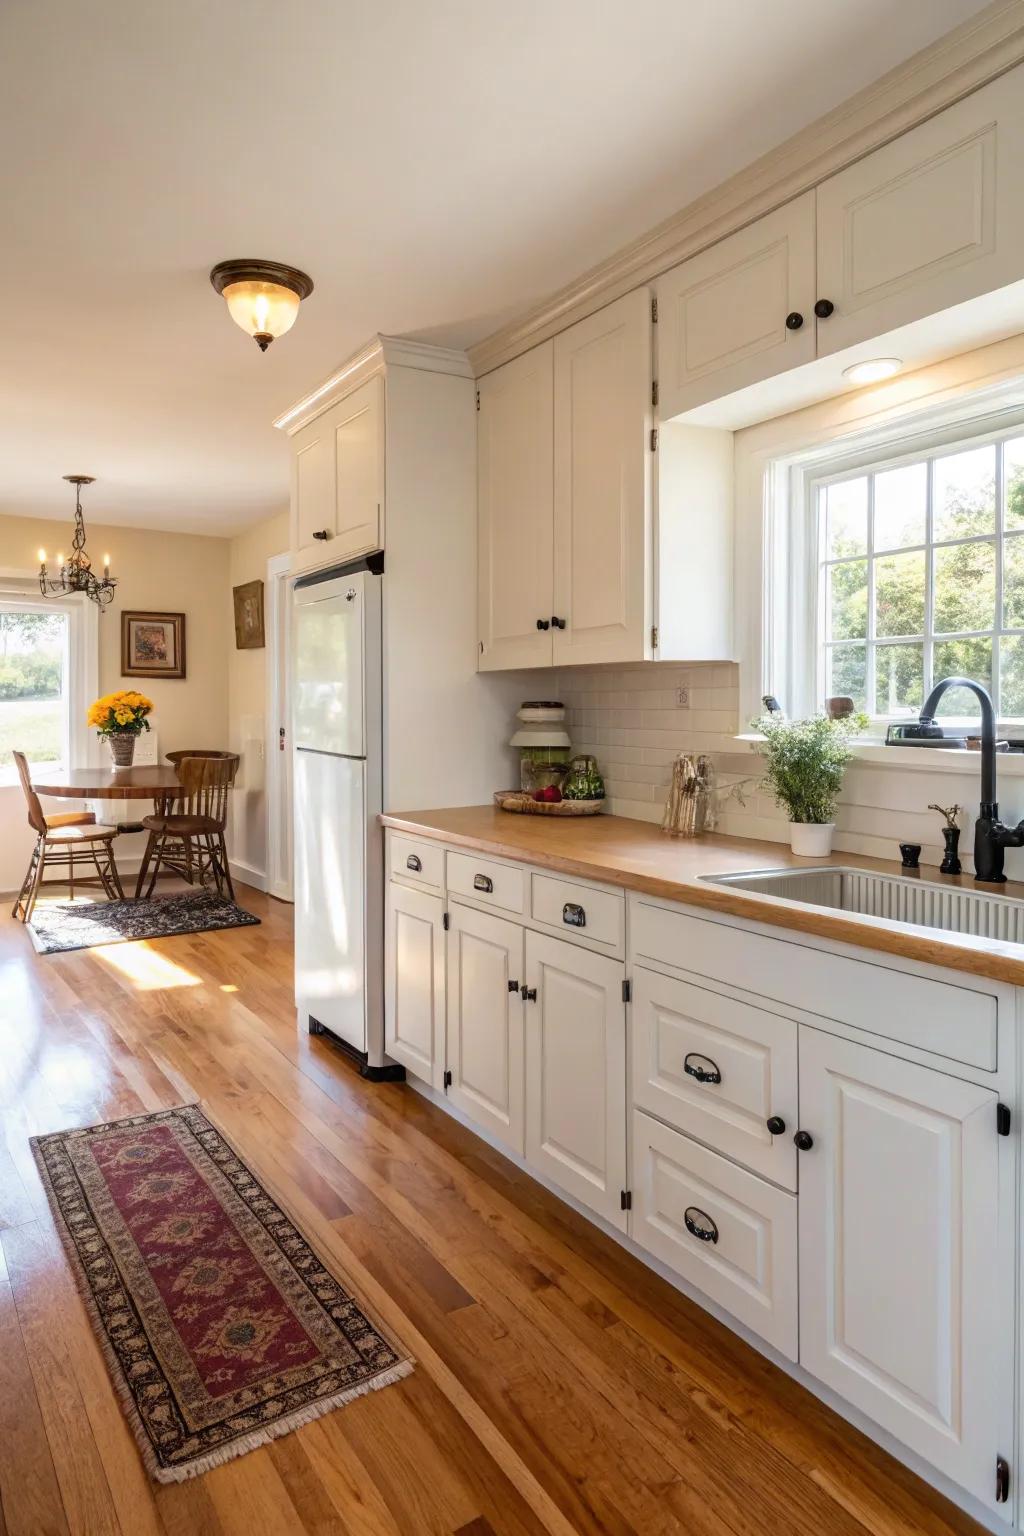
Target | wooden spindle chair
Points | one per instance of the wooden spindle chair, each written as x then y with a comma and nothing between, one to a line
70,840
187,838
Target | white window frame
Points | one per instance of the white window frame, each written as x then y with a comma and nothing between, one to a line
81,672
792,649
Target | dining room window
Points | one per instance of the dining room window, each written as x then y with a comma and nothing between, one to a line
35,644
920,576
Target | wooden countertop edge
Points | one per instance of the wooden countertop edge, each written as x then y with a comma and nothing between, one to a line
862,932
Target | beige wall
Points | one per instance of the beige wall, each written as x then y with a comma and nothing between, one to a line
167,572
247,698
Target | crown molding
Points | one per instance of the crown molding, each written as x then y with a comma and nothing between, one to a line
379,354
967,58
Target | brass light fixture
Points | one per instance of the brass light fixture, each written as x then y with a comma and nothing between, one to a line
76,574
263,297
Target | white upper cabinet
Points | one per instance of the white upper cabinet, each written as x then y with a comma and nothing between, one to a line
602,416
515,489
899,1271
930,220
576,1072
739,312
338,481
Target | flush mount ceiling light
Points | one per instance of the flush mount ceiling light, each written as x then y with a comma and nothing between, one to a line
263,297
873,370
76,574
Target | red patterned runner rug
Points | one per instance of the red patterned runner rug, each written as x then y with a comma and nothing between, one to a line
220,1325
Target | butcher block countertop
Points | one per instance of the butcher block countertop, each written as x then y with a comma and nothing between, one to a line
616,850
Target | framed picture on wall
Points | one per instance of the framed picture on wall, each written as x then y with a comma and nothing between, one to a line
152,644
249,635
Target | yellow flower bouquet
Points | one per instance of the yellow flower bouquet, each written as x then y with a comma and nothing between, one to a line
120,718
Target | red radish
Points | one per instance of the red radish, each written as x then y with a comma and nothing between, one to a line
549,795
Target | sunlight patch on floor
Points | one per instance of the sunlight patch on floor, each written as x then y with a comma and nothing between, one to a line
147,970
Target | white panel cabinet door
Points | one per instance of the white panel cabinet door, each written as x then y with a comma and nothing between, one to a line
576,1072
312,501
602,582
485,1022
515,488
741,311
928,221
358,427
899,1301
414,982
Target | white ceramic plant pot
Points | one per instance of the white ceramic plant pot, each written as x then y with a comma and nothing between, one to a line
811,839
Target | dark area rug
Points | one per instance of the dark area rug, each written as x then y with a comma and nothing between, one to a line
220,1326
65,925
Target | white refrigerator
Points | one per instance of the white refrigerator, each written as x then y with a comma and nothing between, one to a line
337,736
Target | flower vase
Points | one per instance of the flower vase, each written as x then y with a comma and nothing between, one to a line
122,748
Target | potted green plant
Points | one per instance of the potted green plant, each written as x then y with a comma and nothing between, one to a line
804,765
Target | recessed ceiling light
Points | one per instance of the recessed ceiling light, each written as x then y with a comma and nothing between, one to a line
874,369
263,297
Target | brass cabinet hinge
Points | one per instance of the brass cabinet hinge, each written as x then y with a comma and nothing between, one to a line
654,637
654,310
478,399
654,391
654,439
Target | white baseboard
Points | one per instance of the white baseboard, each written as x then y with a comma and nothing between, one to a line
247,875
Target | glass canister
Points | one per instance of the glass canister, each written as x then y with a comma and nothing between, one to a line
583,781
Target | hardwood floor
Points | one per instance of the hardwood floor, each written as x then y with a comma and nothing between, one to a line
560,1387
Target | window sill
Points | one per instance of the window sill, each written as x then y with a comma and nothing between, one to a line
935,759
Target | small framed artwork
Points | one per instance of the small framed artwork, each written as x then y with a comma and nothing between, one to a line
152,644
249,635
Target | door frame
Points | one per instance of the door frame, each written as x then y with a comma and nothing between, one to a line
280,841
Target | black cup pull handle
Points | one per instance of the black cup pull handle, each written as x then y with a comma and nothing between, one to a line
794,320
701,1067
574,915
321,533
700,1224
414,862
483,883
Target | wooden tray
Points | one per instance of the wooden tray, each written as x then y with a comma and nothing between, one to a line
523,804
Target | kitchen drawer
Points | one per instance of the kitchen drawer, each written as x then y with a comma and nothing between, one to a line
486,881
740,1249
578,911
416,861
717,1069
948,1020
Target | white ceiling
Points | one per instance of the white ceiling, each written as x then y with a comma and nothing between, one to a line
434,167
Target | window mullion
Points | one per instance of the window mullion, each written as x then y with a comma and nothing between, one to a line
869,648
928,663
997,687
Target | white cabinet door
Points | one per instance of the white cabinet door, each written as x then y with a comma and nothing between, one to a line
741,311
358,426
602,593
414,982
725,1231
338,481
718,1069
899,1301
485,1021
515,434
928,221
576,1072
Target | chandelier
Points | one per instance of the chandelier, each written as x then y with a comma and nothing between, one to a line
76,574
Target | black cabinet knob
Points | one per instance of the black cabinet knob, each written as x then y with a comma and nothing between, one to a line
794,320
824,308
803,1141
776,1125
321,533
543,623
513,986
557,623
528,994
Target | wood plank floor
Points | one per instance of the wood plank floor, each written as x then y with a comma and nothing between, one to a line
560,1387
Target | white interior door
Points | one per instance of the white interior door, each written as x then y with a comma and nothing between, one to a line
899,1300
576,1072
603,416
485,1021
515,433
278,809
727,318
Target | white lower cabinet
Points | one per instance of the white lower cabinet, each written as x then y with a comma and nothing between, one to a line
725,1231
414,982
899,1296
576,1072
485,1022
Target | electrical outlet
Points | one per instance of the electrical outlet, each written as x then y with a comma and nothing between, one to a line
682,698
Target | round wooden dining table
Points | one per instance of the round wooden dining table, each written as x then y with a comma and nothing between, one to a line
157,783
